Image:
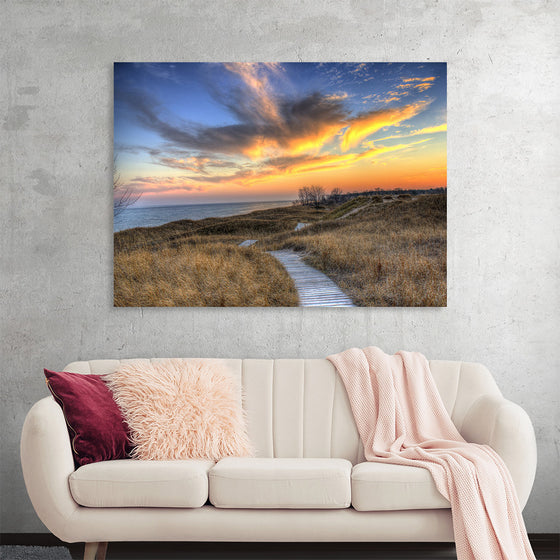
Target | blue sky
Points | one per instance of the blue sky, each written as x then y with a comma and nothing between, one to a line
212,132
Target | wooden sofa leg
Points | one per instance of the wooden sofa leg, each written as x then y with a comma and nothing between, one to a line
90,550
95,551
101,550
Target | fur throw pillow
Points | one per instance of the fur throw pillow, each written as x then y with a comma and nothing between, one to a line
181,409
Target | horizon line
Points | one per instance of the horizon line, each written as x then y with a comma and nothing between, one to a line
370,190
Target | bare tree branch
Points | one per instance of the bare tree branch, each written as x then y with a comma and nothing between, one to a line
336,195
311,196
123,196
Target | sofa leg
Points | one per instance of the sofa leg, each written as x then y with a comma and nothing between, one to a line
95,551
102,550
90,550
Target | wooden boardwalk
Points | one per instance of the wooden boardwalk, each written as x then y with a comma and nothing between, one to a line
315,289
248,242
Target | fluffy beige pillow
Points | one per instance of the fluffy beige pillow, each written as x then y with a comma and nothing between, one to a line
181,409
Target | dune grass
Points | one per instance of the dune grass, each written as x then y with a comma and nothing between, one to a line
343,209
391,254
201,275
232,229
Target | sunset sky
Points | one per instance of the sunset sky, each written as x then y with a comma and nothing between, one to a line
189,133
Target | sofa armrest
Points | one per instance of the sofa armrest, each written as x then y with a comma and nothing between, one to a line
506,427
47,461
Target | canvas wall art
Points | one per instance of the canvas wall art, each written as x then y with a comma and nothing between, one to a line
280,185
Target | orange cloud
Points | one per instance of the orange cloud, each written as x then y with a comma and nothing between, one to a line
281,167
421,84
365,125
261,97
314,141
427,130
384,149
430,130
284,175
259,148
430,79
306,141
324,162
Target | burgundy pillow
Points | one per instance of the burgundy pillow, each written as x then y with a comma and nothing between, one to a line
97,429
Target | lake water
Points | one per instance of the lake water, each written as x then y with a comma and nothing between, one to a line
158,215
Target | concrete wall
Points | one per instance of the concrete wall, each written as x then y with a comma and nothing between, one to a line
55,227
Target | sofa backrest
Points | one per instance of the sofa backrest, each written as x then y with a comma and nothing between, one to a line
299,407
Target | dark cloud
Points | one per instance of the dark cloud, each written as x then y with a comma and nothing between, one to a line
162,184
238,175
285,162
310,115
124,148
196,163
294,120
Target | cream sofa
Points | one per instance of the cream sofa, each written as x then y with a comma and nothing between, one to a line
309,481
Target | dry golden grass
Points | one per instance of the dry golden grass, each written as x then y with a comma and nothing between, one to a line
346,207
204,274
198,263
233,229
391,254
387,255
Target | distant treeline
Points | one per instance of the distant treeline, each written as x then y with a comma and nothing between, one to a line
316,195
435,190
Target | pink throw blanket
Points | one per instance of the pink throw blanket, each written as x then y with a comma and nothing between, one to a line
401,420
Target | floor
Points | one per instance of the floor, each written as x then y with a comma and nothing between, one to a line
546,547
294,551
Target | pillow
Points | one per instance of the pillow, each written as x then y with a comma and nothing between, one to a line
181,409
95,423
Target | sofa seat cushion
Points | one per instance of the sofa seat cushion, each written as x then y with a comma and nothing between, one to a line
280,483
382,487
136,483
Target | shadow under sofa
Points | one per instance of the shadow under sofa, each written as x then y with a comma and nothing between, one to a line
309,480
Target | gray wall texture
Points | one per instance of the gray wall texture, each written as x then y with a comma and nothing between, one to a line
503,169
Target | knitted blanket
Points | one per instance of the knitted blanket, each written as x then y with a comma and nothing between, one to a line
401,420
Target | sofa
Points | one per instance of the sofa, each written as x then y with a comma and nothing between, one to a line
308,480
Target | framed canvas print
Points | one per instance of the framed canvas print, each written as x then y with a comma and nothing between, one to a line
280,184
